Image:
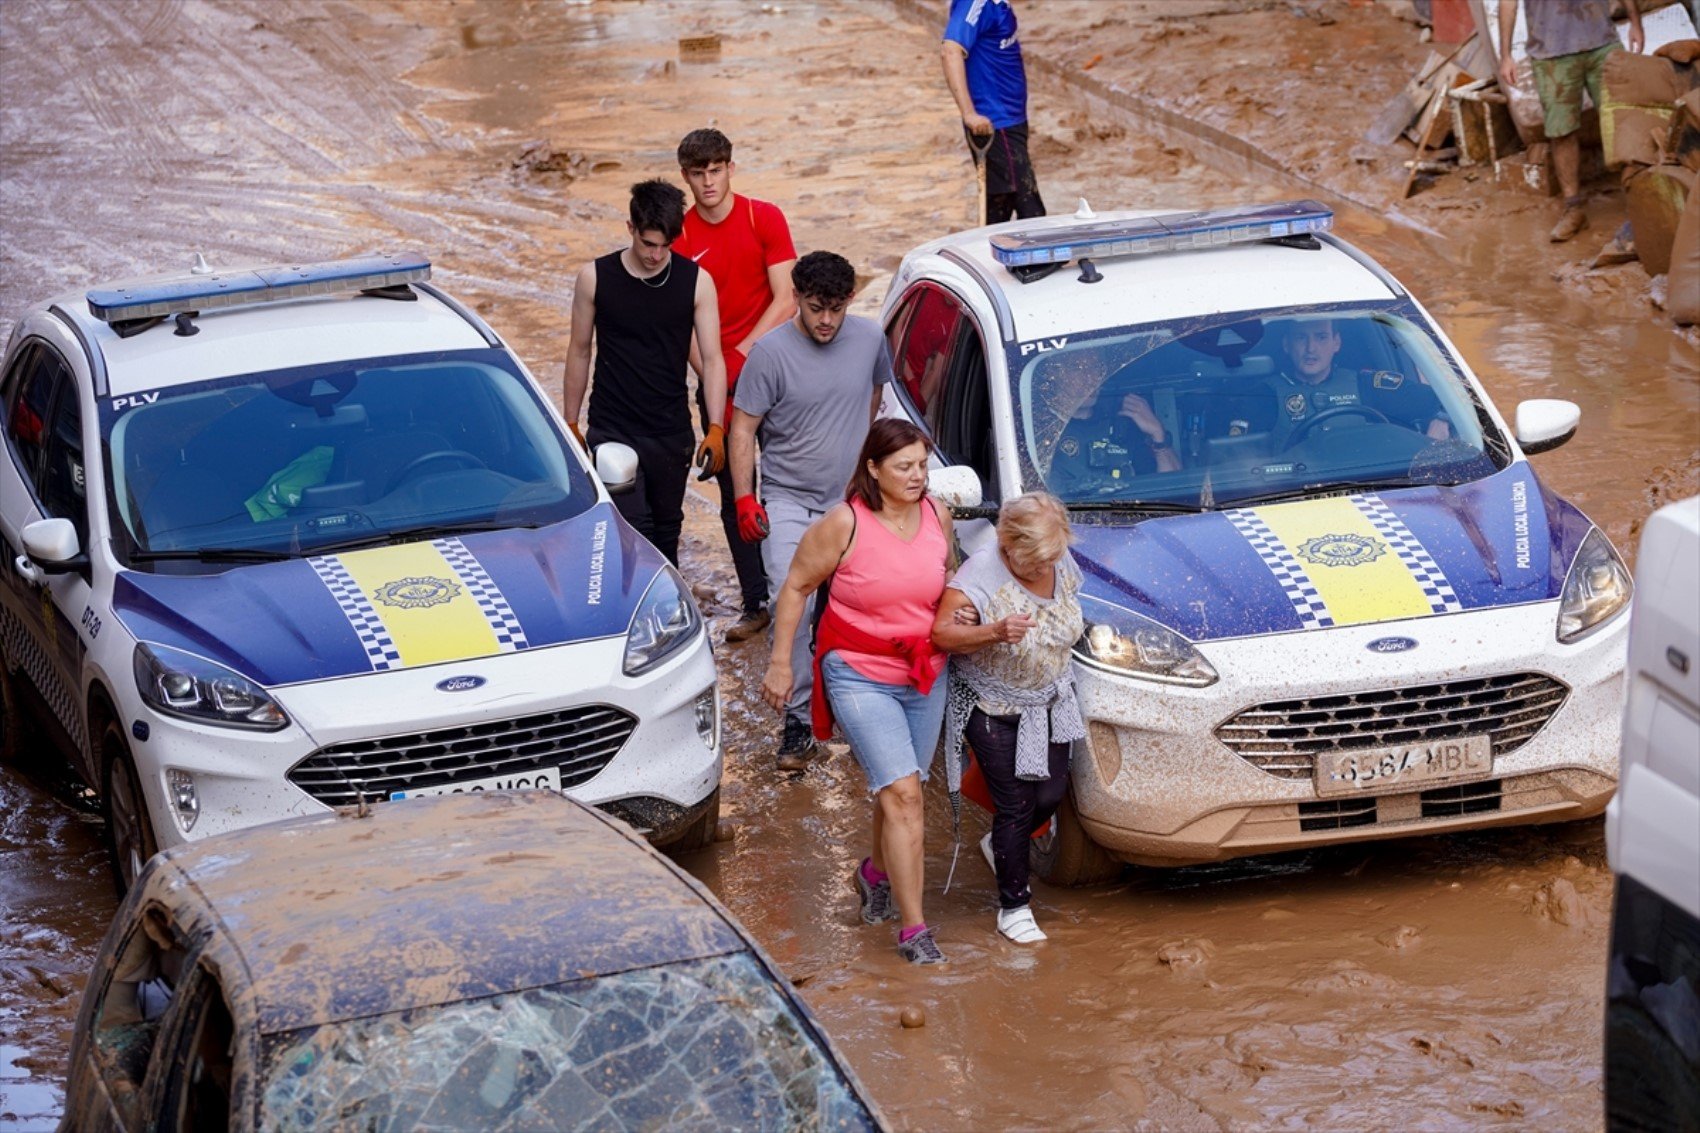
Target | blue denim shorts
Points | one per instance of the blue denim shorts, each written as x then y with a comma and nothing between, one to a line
893,729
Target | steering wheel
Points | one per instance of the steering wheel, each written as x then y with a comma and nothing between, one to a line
1310,423
439,456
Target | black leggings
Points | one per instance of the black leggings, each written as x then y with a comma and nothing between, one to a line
1023,805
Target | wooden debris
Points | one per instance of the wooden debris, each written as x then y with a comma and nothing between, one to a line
699,45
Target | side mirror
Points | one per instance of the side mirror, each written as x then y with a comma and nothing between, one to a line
955,485
616,467
1544,423
50,547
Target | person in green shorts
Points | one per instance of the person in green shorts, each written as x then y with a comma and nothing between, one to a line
1567,45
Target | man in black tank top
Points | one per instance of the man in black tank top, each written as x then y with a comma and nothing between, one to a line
639,307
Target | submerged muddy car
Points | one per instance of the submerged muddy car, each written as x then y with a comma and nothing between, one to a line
498,961
1327,597
291,538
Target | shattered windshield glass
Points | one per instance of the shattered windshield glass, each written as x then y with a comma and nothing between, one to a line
1233,409
702,1044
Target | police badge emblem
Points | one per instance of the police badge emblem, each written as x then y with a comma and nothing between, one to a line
1341,550
417,593
1296,405
1069,446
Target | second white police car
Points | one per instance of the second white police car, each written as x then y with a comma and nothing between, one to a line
1327,598
292,538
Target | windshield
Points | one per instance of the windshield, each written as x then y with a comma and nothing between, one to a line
290,462
702,1044
1234,409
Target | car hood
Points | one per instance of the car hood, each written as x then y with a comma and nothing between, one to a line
387,608
1345,560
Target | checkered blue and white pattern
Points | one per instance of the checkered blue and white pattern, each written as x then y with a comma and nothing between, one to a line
380,648
1442,599
1288,571
510,635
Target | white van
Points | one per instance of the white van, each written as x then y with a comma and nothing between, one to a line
1653,840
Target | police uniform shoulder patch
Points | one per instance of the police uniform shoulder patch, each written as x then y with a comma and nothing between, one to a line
417,592
1069,446
1341,550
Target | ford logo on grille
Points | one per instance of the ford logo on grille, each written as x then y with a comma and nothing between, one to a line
1380,645
468,683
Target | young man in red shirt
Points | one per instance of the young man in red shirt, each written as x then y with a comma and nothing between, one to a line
745,246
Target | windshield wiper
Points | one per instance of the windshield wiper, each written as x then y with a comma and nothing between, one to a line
1354,487
213,555
1154,507
416,534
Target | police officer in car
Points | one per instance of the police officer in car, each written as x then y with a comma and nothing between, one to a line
1309,384
1108,439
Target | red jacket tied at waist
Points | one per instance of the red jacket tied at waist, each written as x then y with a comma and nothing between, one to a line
836,632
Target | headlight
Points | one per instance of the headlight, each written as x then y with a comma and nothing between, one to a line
182,684
1125,642
666,620
1596,589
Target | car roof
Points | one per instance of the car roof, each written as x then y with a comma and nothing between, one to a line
269,336
434,900
1158,287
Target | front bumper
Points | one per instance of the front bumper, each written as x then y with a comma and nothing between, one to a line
1155,786
243,778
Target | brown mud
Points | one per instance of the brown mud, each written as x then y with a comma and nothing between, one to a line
1422,983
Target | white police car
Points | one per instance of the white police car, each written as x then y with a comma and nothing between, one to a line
292,538
1327,597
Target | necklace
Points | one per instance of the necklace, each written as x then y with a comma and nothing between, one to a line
660,282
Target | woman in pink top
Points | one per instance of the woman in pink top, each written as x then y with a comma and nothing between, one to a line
886,551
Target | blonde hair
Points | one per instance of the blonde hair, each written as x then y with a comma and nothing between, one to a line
1033,529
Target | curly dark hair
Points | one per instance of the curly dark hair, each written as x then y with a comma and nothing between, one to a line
700,149
824,275
888,435
658,206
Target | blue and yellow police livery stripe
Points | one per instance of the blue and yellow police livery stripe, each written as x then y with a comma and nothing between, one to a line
421,603
1346,561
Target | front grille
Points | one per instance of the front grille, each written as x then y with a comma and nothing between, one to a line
1470,798
579,741
1283,737
1336,814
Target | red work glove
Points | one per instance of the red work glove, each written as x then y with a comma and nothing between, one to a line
752,519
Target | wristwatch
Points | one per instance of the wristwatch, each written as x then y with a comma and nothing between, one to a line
1162,440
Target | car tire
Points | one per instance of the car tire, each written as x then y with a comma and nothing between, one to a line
699,835
1067,855
129,833
16,735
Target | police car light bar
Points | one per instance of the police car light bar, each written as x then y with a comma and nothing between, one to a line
1171,232
164,298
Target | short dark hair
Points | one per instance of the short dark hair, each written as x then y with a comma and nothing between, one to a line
658,206
887,435
824,275
700,149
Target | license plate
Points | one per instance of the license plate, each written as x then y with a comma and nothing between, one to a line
1386,768
544,778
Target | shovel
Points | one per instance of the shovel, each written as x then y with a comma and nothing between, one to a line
980,152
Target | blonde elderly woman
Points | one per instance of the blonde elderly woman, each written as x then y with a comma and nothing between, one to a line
1012,613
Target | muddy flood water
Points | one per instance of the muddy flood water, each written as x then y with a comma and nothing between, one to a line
1433,983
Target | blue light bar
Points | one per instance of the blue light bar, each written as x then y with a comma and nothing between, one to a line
1171,232
163,298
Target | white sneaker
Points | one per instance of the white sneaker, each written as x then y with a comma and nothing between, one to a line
986,848
1018,925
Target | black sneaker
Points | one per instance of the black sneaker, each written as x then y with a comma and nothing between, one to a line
748,625
796,744
876,899
921,949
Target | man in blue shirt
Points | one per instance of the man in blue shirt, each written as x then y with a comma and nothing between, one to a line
982,65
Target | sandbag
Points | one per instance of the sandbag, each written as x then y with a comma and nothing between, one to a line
1682,291
1655,199
1638,94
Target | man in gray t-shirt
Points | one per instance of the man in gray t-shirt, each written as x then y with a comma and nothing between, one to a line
809,390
